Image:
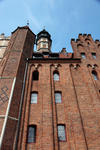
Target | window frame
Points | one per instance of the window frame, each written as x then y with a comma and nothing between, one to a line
33,92
58,92
35,127
95,75
65,140
56,72
83,55
94,56
33,73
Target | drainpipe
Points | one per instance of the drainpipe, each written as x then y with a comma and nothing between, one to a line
20,109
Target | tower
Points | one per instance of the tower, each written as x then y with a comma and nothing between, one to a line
13,68
43,41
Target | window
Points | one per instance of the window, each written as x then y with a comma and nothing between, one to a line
34,97
95,76
94,55
35,75
61,133
44,45
88,41
56,76
31,134
83,55
57,97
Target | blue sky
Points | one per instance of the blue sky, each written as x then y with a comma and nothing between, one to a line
63,19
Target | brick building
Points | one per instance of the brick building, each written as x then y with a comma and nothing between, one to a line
49,100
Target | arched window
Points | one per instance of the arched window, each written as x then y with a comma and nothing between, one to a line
31,134
56,76
95,76
35,75
88,41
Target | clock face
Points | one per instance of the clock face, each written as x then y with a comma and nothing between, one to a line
3,95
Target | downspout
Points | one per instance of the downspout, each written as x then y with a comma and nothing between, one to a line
52,107
54,111
7,113
20,109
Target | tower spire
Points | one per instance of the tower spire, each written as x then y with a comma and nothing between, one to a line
27,22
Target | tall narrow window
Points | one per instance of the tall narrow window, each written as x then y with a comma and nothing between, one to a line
34,96
83,55
95,76
58,97
61,132
56,76
94,55
35,75
31,134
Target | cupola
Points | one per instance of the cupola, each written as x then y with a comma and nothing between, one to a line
43,41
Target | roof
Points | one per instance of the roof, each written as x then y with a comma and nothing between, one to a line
43,34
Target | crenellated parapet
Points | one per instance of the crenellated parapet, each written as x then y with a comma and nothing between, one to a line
85,45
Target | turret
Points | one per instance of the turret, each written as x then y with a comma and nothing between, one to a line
43,41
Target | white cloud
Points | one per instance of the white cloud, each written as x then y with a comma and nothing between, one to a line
31,17
40,18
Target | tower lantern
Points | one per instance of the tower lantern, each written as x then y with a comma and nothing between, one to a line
43,41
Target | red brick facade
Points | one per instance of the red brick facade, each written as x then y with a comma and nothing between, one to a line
79,109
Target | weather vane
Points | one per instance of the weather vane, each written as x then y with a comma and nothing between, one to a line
27,22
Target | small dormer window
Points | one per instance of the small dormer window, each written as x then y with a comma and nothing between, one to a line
83,55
